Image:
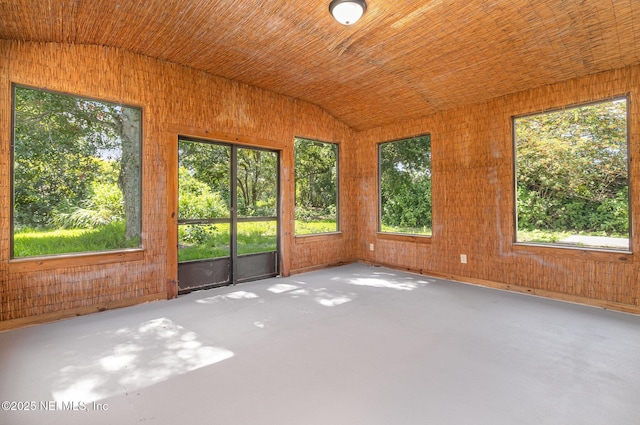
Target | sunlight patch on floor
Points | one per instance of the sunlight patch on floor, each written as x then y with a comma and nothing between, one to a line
141,356
384,283
331,300
237,295
279,288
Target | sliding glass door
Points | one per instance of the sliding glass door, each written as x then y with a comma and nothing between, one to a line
228,223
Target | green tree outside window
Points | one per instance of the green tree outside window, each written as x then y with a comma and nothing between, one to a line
316,175
405,186
572,177
76,174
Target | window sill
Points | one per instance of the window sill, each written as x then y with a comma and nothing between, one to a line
74,260
317,237
611,255
423,239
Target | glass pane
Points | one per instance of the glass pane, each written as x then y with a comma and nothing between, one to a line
257,183
316,173
405,186
76,174
203,180
202,241
257,236
572,177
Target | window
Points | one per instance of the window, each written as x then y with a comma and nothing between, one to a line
76,174
572,178
316,174
405,186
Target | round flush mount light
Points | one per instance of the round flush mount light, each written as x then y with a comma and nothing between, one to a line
347,12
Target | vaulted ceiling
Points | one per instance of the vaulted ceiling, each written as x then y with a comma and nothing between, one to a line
404,59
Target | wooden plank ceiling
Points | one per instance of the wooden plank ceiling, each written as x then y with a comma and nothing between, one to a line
404,59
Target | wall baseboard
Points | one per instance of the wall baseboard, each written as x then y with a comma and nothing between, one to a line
576,299
23,322
81,311
321,267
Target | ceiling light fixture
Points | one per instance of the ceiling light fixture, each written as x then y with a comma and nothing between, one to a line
347,12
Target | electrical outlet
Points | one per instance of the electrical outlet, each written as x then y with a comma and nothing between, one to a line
463,258
371,247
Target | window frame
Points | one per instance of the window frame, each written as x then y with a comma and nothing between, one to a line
409,237
337,184
574,247
51,261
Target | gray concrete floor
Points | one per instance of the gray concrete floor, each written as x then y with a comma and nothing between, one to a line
349,345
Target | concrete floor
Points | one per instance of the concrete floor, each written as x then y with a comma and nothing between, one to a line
348,345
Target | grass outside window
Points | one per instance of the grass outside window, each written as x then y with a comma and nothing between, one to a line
77,173
405,186
572,176
316,177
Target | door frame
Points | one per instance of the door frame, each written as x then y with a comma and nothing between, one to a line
234,143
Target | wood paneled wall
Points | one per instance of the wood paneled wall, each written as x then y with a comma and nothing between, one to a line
473,201
175,100
472,185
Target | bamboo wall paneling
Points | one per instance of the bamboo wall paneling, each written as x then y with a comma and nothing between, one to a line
287,216
473,200
310,251
261,73
172,97
171,259
5,175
